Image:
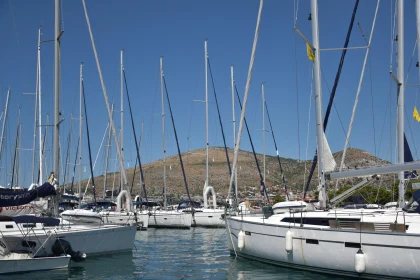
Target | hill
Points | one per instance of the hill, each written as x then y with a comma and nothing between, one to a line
248,178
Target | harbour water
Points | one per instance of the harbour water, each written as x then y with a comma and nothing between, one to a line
197,253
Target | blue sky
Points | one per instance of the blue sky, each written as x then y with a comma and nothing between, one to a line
176,30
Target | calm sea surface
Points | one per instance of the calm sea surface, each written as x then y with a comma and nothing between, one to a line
173,254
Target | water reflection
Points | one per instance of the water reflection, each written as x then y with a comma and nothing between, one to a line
103,267
240,268
198,253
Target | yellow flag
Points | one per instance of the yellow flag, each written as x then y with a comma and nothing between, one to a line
416,115
310,53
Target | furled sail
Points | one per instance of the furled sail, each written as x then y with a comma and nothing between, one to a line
329,161
17,198
408,157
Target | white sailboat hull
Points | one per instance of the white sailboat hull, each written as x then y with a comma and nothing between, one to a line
141,220
89,239
388,255
208,218
81,216
33,264
170,219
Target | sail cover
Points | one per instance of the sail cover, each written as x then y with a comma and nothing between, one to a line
17,198
329,161
408,157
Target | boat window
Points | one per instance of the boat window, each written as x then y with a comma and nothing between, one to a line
352,245
9,226
247,233
28,225
312,241
317,221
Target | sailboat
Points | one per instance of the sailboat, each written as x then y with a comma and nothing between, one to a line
12,261
164,218
91,239
207,216
125,216
365,244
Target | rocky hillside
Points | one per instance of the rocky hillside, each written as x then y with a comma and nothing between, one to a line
248,177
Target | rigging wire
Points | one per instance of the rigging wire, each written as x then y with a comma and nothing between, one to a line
221,126
371,93
192,109
295,18
309,122
88,140
330,103
335,107
74,168
277,153
177,144
262,183
148,157
405,109
297,96
358,92
135,137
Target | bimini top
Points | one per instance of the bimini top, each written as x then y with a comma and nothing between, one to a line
27,219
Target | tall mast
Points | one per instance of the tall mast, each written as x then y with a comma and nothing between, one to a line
318,100
36,103
122,116
108,108
15,164
232,81
263,127
44,149
141,143
108,144
4,121
163,134
67,161
401,88
18,151
207,116
79,187
41,179
57,99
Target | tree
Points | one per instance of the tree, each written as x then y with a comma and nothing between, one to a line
278,198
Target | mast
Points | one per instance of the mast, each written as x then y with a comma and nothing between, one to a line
38,78
18,150
44,149
207,116
401,88
15,164
57,99
141,143
41,179
234,128
66,162
318,100
163,134
263,128
4,121
277,153
108,142
122,116
108,108
79,187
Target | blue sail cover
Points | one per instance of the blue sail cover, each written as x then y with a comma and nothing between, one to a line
408,157
26,219
22,197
